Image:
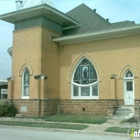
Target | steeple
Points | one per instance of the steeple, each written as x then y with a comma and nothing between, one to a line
31,3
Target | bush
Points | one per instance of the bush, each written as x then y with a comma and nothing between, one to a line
7,109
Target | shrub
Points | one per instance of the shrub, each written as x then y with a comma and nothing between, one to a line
7,109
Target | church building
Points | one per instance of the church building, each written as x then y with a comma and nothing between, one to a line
74,62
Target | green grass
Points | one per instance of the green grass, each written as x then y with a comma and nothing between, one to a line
118,130
91,119
44,125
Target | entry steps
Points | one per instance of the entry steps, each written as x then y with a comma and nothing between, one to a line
124,112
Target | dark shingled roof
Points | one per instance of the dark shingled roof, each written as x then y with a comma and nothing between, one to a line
123,24
90,21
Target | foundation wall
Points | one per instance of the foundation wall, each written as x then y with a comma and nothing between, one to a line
41,107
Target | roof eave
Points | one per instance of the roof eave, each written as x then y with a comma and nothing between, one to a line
3,82
104,34
45,10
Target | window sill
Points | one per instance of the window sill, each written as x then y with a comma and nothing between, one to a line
25,97
86,97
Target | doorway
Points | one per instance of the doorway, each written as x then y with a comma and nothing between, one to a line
128,88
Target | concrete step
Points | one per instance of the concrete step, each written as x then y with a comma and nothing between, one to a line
124,112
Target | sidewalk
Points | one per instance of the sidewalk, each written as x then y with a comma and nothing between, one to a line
93,128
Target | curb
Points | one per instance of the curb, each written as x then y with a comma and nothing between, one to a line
57,129
64,130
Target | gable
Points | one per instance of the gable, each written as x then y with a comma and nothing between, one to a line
88,19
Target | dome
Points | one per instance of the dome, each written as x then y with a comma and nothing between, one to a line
31,3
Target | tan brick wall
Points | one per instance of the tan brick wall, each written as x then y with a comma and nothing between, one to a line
34,46
50,64
26,49
111,55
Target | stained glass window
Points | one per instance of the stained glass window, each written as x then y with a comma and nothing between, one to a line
85,80
129,74
85,73
26,82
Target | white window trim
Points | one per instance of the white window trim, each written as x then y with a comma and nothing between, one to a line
25,97
84,97
22,95
79,85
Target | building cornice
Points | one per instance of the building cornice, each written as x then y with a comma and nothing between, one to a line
45,10
99,35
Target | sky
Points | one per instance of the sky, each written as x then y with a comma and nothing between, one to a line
115,10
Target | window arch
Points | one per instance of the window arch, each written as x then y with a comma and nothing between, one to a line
85,81
25,83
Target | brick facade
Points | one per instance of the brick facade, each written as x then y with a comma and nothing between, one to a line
34,48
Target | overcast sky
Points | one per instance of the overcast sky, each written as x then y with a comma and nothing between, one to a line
115,10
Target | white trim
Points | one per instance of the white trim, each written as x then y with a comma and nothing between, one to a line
36,11
85,97
85,85
99,35
96,33
23,97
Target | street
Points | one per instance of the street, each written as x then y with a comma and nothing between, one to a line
24,133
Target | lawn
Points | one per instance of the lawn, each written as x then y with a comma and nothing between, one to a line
118,130
44,125
91,119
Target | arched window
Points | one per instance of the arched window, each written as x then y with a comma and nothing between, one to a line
85,81
128,74
25,83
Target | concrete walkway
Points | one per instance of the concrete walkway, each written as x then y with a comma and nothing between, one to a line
93,128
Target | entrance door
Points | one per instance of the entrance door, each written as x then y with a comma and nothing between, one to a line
129,92
128,88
